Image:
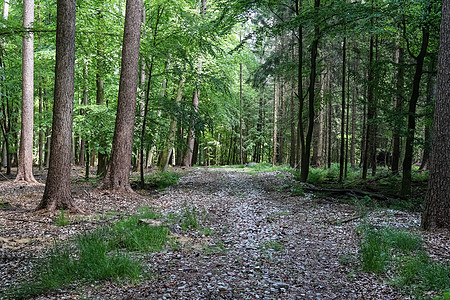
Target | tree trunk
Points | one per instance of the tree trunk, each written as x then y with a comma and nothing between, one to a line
275,113
342,153
117,177
409,147
167,151
306,150
370,140
398,103
57,193
437,200
25,166
427,134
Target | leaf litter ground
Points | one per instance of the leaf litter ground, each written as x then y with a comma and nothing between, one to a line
255,240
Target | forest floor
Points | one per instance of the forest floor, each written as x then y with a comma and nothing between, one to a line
256,239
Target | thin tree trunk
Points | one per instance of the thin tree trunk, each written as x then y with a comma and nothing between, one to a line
398,103
275,113
409,147
343,105
167,151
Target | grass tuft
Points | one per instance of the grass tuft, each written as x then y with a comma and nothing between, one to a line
62,219
97,255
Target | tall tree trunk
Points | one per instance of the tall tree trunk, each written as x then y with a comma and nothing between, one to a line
300,137
398,103
57,189
306,150
437,199
354,101
427,134
25,166
293,152
100,100
241,139
409,147
275,130
370,140
117,177
342,153
167,151
187,161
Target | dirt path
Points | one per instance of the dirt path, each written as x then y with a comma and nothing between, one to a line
256,240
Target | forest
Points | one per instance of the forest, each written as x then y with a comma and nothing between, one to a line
130,119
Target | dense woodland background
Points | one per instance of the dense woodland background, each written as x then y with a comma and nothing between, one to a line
323,84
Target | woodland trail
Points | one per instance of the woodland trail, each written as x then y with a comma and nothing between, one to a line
267,244
256,240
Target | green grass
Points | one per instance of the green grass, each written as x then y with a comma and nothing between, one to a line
272,245
267,167
161,180
62,219
399,254
189,219
218,247
102,254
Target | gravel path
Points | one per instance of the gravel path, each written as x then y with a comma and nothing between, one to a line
256,240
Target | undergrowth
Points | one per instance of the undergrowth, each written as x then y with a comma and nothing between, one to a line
399,255
97,255
160,180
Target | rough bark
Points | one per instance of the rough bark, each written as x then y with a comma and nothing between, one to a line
117,177
437,200
57,193
427,133
25,166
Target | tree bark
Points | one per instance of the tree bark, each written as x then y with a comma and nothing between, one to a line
342,153
275,115
25,166
306,150
437,200
398,104
409,147
57,193
117,177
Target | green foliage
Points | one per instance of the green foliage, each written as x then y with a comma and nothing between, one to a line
62,219
161,180
399,253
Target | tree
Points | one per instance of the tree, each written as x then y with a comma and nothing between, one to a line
25,167
57,189
437,199
117,177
